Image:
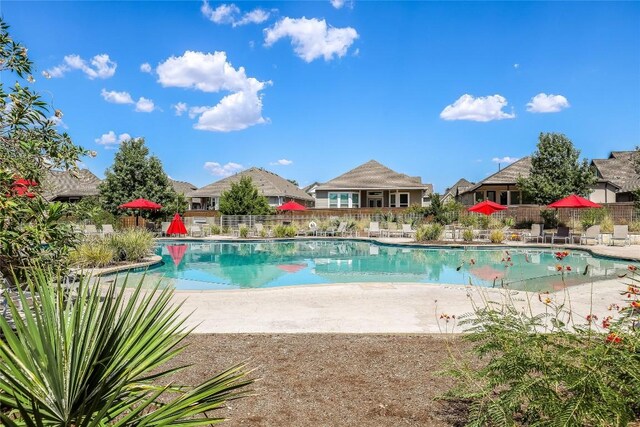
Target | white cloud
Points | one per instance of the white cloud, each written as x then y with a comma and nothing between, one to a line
100,66
57,121
281,162
225,170
505,159
516,66
312,38
116,97
337,3
543,103
180,108
146,67
230,14
110,141
481,109
210,72
144,105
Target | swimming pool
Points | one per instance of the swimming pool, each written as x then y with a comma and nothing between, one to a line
207,265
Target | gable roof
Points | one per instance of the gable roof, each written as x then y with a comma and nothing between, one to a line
619,170
268,183
65,184
508,175
458,188
182,187
374,175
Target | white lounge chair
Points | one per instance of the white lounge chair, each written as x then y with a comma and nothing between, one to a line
408,231
620,232
591,233
195,229
393,230
107,229
374,229
534,234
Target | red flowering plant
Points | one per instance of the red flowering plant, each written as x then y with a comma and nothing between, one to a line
546,364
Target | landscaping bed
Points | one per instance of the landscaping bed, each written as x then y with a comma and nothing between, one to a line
333,379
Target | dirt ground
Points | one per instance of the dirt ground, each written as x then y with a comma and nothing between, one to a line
333,380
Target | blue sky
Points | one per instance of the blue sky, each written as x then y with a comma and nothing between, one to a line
310,90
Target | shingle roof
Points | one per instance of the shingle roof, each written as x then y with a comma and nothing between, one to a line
508,175
182,187
269,184
374,175
64,184
619,169
458,188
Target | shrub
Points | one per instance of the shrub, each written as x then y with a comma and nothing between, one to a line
215,230
131,245
550,218
92,253
429,232
264,233
509,221
282,230
592,217
467,235
549,370
495,223
483,222
634,226
243,231
96,355
496,236
225,229
468,220
606,224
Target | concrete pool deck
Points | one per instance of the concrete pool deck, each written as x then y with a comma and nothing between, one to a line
381,307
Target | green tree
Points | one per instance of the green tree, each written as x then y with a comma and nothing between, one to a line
31,230
244,199
556,171
135,174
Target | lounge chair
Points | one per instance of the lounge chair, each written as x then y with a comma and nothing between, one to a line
407,231
620,232
591,233
561,234
195,229
343,229
258,230
534,234
107,229
90,230
393,230
374,229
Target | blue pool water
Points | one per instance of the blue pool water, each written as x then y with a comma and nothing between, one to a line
201,265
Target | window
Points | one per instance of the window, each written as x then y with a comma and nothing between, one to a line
503,198
479,196
333,200
374,199
491,195
399,200
344,200
527,200
404,200
515,197
392,200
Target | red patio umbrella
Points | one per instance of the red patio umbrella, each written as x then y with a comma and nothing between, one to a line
487,207
140,204
291,206
573,202
20,187
176,226
291,268
177,253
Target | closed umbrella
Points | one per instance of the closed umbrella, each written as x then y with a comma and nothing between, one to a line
176,226
487,207
140,204
574,202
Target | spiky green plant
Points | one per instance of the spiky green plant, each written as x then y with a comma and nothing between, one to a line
94,355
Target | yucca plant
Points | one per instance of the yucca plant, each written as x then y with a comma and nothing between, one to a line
93,355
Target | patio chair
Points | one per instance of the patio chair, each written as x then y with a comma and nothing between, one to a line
195,229
374,229
592,233
561,234
408,231
343,229
393,230
90,230
534,234
107,229
621,232
258,230
164,228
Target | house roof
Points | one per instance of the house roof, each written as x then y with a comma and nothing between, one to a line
65,184
310,187
374,175
458,188
507,175
182,187
619,170
268,183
